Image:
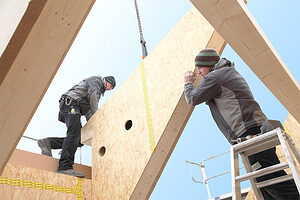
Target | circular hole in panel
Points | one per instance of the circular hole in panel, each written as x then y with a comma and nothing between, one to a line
102,151
128,125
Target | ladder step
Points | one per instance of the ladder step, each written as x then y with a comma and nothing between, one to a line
260,143
274,181
262,146
261,172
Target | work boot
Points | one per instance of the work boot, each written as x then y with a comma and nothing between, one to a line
45,146
71,172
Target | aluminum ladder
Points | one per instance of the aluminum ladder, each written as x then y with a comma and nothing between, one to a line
256,145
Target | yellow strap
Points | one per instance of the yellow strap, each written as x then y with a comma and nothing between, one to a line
147,107
287,131
43,186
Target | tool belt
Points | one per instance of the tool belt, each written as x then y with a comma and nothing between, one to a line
66,100
242,139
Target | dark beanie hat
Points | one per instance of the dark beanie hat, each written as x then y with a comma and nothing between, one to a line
207,58
111,80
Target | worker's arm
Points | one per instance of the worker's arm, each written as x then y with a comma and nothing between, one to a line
94,99
94,105
94,93
207,89
88,115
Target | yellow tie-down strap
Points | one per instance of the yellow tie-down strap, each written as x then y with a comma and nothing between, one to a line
43,186
147,107
287,131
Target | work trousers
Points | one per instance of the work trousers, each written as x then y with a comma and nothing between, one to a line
281,191
70,115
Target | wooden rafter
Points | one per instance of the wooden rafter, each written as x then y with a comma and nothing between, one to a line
31,60
240,30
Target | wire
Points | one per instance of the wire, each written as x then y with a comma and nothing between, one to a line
30,138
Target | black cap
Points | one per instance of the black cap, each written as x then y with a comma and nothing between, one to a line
111,80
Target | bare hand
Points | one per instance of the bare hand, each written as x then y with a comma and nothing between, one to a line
189,77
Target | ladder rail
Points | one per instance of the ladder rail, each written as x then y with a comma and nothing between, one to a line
253,181
289,158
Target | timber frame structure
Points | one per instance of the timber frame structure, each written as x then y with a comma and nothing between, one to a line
48,25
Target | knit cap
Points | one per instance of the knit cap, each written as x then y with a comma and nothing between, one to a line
207,58
111,80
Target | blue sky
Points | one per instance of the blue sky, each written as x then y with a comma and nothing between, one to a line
108,44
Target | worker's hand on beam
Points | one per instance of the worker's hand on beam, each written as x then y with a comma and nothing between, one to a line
189,77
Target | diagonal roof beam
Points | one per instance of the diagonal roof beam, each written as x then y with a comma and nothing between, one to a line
235,23
31,60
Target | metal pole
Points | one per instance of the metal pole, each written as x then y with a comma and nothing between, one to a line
202,168
30,138
80,155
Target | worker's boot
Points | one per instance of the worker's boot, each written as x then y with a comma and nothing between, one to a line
45,146
71,172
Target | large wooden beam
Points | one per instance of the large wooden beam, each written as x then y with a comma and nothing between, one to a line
30,61
234,22
124,165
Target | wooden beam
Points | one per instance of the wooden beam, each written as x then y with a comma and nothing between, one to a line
11,13
21,33
128,168
31,60
237,26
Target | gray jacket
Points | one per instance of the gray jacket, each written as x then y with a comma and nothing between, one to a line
87,93
229,98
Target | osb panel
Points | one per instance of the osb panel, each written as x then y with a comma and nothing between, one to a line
293,127
170,135
9,192
115,174
42,162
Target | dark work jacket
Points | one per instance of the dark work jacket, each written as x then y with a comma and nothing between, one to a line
229,98
87,94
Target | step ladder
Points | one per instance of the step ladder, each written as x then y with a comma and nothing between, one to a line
256,145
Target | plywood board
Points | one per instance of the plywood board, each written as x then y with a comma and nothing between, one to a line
128,169
237,26
17,192
31,60
46,163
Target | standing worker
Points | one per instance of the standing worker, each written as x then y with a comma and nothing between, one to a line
82,99
235,112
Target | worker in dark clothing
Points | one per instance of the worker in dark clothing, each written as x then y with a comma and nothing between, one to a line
82,99
235,112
